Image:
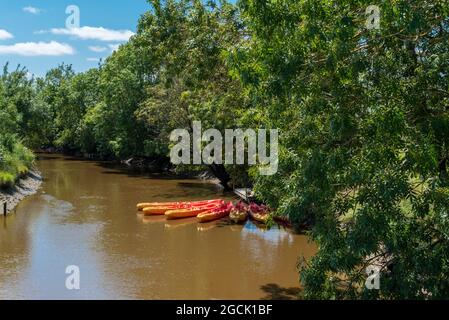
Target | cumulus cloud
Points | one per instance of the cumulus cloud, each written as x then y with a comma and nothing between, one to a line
52,48
95,33
32,10
113,47
4,35
93,59
97,48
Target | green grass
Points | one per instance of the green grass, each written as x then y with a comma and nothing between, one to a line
15,161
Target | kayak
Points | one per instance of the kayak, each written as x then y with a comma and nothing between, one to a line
180,211
184,213
150,211
192,211
239,212
259,213
215,214
142,206
212,216
237,216
260,217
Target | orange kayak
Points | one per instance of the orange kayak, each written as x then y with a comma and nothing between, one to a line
215,214
142,206
184,213
150,211
211,216
179,211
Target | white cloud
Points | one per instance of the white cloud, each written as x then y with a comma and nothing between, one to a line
4,35
113,47
94,33
97,48
93,59
32,10
52,48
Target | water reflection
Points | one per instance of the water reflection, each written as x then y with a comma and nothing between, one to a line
274,235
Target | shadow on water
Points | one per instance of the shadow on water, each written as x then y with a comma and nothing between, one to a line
197,186
45,157
276,292
114,168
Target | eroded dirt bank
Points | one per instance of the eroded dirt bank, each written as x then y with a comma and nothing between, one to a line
26,186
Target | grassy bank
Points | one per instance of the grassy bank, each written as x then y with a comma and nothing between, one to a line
15,161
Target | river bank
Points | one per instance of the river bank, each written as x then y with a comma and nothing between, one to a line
26,186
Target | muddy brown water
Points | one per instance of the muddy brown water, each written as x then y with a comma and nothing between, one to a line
84,215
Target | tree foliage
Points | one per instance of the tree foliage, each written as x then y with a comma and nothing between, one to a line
16,112
364,121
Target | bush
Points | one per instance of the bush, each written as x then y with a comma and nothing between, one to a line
15,160
6,179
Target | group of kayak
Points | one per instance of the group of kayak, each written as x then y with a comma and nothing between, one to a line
206,210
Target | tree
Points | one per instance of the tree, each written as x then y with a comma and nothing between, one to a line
16,94
364,123
187,42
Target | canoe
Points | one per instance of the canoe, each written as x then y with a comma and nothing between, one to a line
237,216
144,205
185,213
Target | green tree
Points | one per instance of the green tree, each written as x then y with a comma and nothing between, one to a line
187,42
364,123
16,95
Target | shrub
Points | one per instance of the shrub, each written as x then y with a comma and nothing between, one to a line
15,160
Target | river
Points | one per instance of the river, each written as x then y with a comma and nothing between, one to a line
84,215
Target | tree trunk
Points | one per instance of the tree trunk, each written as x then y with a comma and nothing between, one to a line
220,172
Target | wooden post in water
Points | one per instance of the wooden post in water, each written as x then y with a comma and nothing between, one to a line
5,206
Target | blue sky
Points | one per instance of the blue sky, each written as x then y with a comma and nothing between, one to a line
34,34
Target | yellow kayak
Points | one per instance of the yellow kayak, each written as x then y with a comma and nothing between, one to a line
142,206
211,216
151,211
